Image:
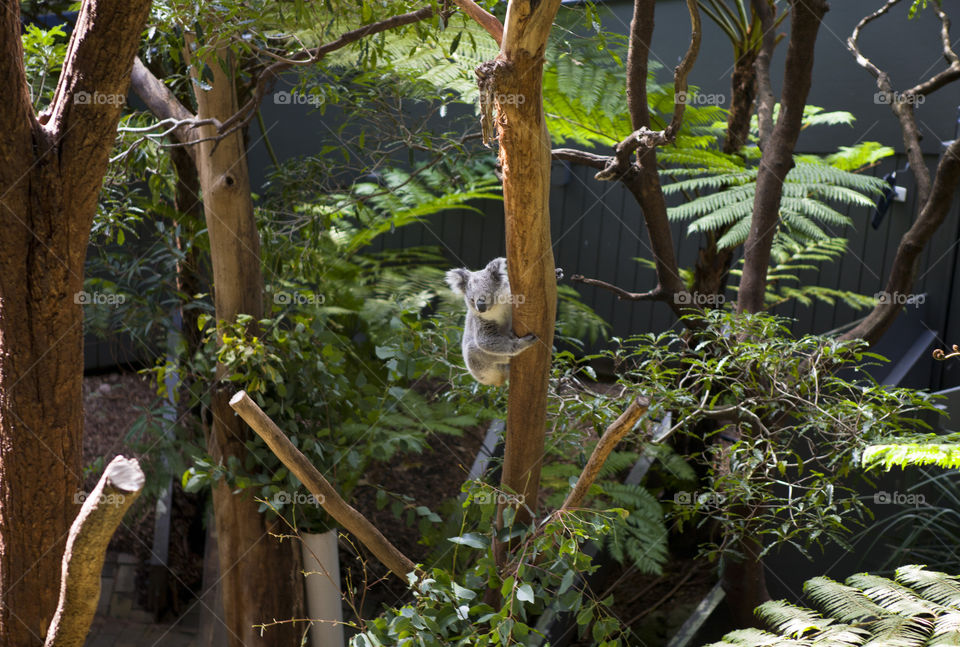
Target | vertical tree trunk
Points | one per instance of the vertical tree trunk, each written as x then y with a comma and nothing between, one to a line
516,80
51,172
259,574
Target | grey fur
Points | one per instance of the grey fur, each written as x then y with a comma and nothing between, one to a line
488,338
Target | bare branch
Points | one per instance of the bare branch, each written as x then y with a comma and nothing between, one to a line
656,294
613,435
644,138
329,498
903,104
483,18
904,267
948,52
580,157
90,533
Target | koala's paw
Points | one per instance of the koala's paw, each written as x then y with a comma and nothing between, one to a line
559,272
525,342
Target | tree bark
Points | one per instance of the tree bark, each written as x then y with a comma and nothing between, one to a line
259,574
515,78
645,185
51,172
777,157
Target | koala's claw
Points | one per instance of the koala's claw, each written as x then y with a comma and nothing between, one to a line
530,338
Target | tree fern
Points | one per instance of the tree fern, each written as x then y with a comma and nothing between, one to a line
918,608
789,257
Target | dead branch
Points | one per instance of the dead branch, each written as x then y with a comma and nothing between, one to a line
644,138
90,533
483,18
330,500
613,435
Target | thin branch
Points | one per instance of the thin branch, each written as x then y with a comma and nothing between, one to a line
904,267
269,75
656,294
483,18
644,138
331,501
581,157
613,435
90,533
903,104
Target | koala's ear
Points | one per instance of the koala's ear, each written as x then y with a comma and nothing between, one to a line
457,280
497,267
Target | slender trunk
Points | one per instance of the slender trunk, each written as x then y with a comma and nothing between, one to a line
516,79
259,574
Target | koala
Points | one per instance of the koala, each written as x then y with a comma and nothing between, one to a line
488,338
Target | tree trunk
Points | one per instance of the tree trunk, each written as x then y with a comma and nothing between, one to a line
51,170
515,78
259,574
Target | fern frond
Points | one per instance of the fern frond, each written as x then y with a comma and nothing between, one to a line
890,595
842,602
791,620
941,588
900,631
945,455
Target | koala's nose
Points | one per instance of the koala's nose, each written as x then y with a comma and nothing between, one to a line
481,305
